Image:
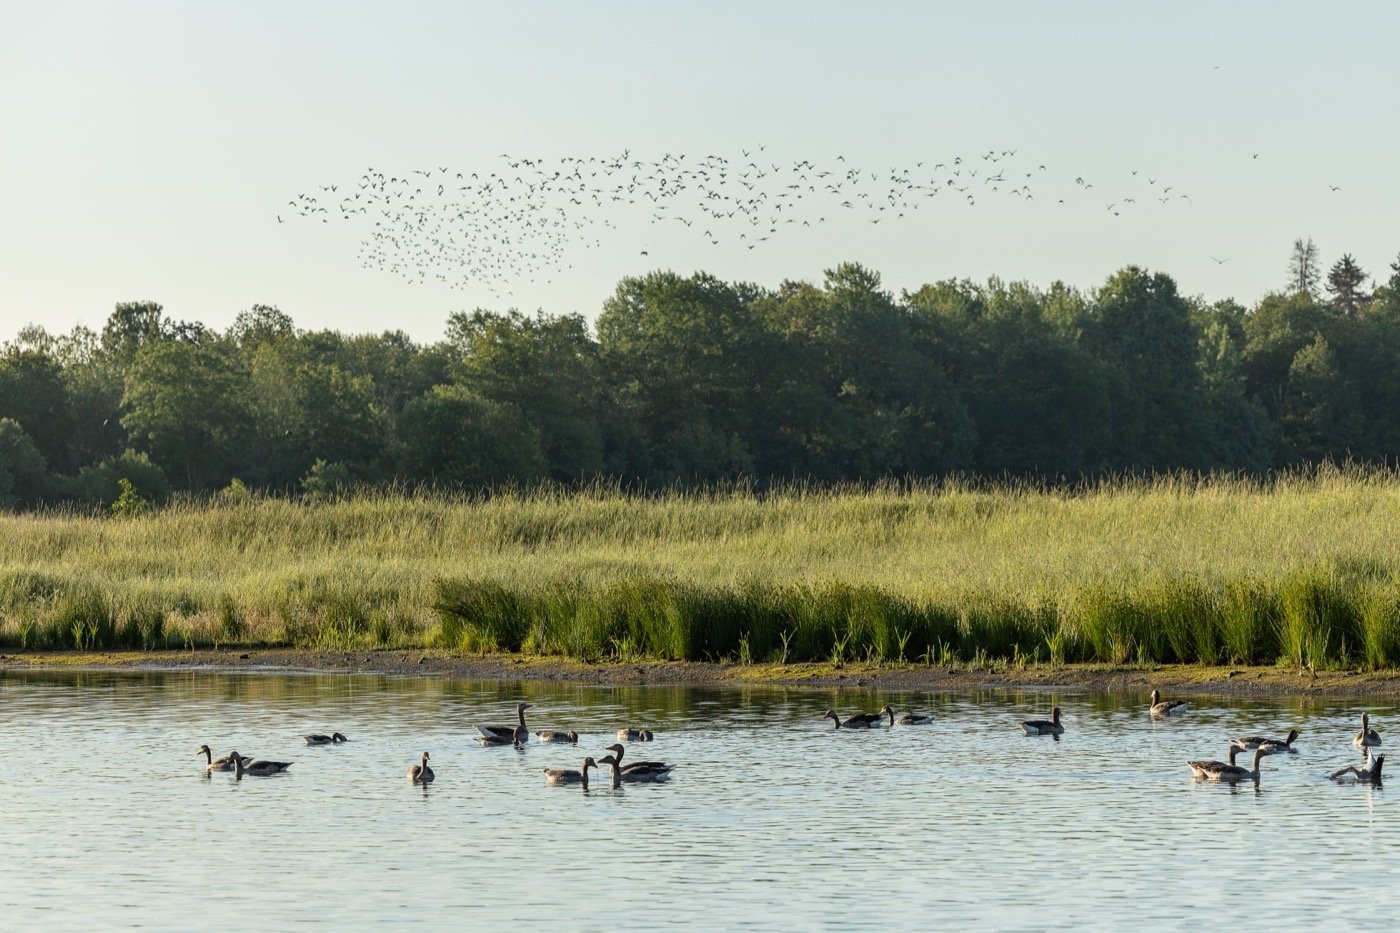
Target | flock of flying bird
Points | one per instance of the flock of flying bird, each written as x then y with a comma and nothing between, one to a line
518,223
1367,739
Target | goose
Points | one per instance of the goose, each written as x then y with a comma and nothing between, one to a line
1049,726
1367,737
555,736
1272,746
631,777
334,738
508,732
212,764
908,719
656,768
421,773
568,775
1227,774
517,737
635,735
242,766
855,720
1371,774
1160,708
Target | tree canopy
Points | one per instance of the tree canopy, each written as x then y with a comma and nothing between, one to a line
691,380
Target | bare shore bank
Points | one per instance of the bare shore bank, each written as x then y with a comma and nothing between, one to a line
1235,681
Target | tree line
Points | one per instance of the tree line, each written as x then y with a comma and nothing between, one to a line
692,381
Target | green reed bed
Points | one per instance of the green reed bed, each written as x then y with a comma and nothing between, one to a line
1304,570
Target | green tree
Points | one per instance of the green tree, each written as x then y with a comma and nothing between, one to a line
545,366
1304,273
454,438
184,404
1141,327
1320,416
22,477
33,393
1345,282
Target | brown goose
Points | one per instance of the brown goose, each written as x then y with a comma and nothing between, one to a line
855,720
517,737
1367,737
1160,708
1049,726
568,775
1371,774
656,768
907,719
421,773
212,764
1271,746
1227,774
335,738
556,736
635,735
508,732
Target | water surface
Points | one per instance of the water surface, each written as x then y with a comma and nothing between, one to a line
772,820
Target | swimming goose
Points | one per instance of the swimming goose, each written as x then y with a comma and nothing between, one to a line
1227,774
242,766
635,735
508,732
1049,726
1160,708
568,775
1271,746
908,719
855,720
549,736
1367,737
333,739
212,764
1371,774
1211,770
632,777
638,767
516,737
421,773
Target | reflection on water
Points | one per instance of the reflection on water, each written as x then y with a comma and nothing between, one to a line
772,817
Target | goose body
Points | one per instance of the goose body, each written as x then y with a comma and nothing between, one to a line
908,719
568,775
638,768
555,736
1160,708
421,773
242,766
516,737
1370,774
212,764
633,776
856,720
1367,737
1049,726
1271,746
635,735
335,738
508,732
1227,773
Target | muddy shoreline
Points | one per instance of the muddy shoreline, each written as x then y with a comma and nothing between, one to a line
1182,679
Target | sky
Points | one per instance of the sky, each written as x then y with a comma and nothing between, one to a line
156,150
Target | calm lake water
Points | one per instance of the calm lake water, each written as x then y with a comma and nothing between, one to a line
772,818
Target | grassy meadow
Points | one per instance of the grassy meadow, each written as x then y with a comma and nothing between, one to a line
1300,570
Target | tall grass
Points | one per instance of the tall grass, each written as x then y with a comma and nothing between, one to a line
1302,570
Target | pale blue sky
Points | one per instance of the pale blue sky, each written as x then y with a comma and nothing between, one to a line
147,148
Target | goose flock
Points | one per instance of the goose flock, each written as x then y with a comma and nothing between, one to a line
439,224
1367,739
